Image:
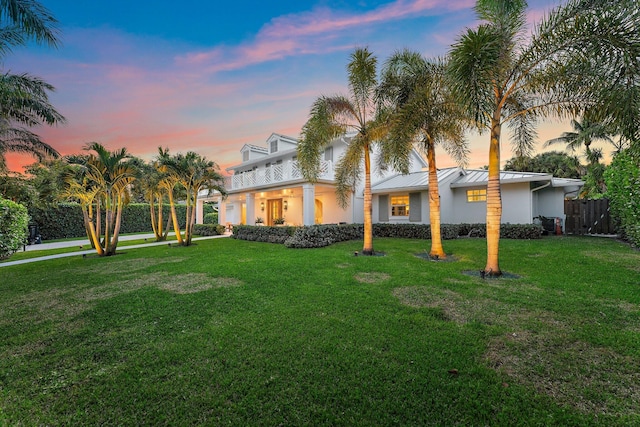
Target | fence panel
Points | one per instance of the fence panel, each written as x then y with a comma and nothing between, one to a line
588,217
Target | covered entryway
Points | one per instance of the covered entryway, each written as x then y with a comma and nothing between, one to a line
274,210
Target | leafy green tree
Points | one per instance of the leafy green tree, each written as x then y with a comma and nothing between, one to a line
424,116
14,220
623,190
583,56
102,183
17,188
560,165
193,173
334,116
24,99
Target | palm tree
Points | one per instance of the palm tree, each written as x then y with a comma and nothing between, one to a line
24,100
584,133
102,183
193,173
334,116
154,186
424,115
582,56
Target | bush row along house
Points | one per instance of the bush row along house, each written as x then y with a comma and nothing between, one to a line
268,185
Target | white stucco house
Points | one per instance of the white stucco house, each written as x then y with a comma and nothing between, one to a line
267,185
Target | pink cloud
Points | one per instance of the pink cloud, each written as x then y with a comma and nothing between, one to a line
308,32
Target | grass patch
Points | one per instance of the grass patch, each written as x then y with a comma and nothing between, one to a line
247,333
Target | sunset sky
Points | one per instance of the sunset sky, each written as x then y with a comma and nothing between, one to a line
212,76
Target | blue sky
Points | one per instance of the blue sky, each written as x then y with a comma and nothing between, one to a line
212,76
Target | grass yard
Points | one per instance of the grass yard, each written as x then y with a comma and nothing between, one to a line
232,332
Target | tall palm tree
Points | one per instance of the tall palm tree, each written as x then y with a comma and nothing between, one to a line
581,56
194,173
584,133
334,116
24,100
102,183
425,115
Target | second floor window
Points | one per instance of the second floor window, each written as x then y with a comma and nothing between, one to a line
274,146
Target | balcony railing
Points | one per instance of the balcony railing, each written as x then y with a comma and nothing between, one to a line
274,174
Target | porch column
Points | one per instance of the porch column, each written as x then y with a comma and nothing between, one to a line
199,211
308,204
251,211
222,212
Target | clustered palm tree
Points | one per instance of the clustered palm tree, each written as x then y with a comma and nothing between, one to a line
101,183
24,99
192,173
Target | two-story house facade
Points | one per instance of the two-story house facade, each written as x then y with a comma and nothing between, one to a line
268,186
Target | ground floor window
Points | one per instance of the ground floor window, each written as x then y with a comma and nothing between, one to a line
477,195
400,205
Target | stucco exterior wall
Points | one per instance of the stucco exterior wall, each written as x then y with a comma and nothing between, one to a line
516,203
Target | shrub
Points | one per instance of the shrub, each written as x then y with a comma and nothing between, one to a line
66,221
263,233
317,236
210,218
14,220
208,229
623,190
521,231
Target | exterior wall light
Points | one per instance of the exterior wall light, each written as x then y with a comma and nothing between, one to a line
285,205
262,206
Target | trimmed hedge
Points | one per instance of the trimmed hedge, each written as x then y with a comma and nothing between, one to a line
210,218
623,190
13,227
263,233
317,236
65,220
208,229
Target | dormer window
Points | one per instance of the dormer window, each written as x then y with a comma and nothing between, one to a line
245,156
274,146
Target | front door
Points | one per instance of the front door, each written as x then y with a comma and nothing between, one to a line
274,210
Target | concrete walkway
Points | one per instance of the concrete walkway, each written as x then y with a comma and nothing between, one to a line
84,243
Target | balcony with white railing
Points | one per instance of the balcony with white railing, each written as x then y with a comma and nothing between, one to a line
273,175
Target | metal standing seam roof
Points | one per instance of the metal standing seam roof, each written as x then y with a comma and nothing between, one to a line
477,177
413,181
465,178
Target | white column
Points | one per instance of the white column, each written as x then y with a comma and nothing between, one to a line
251,210
222,212
199,211
308,204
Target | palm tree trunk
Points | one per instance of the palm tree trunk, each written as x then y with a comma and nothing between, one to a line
174,218
113,244
154,225
494,200
189,214
437,251
192,219
91,232
367,247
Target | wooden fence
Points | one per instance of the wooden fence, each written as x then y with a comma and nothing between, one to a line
588,217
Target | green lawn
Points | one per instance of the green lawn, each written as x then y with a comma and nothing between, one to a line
230,332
